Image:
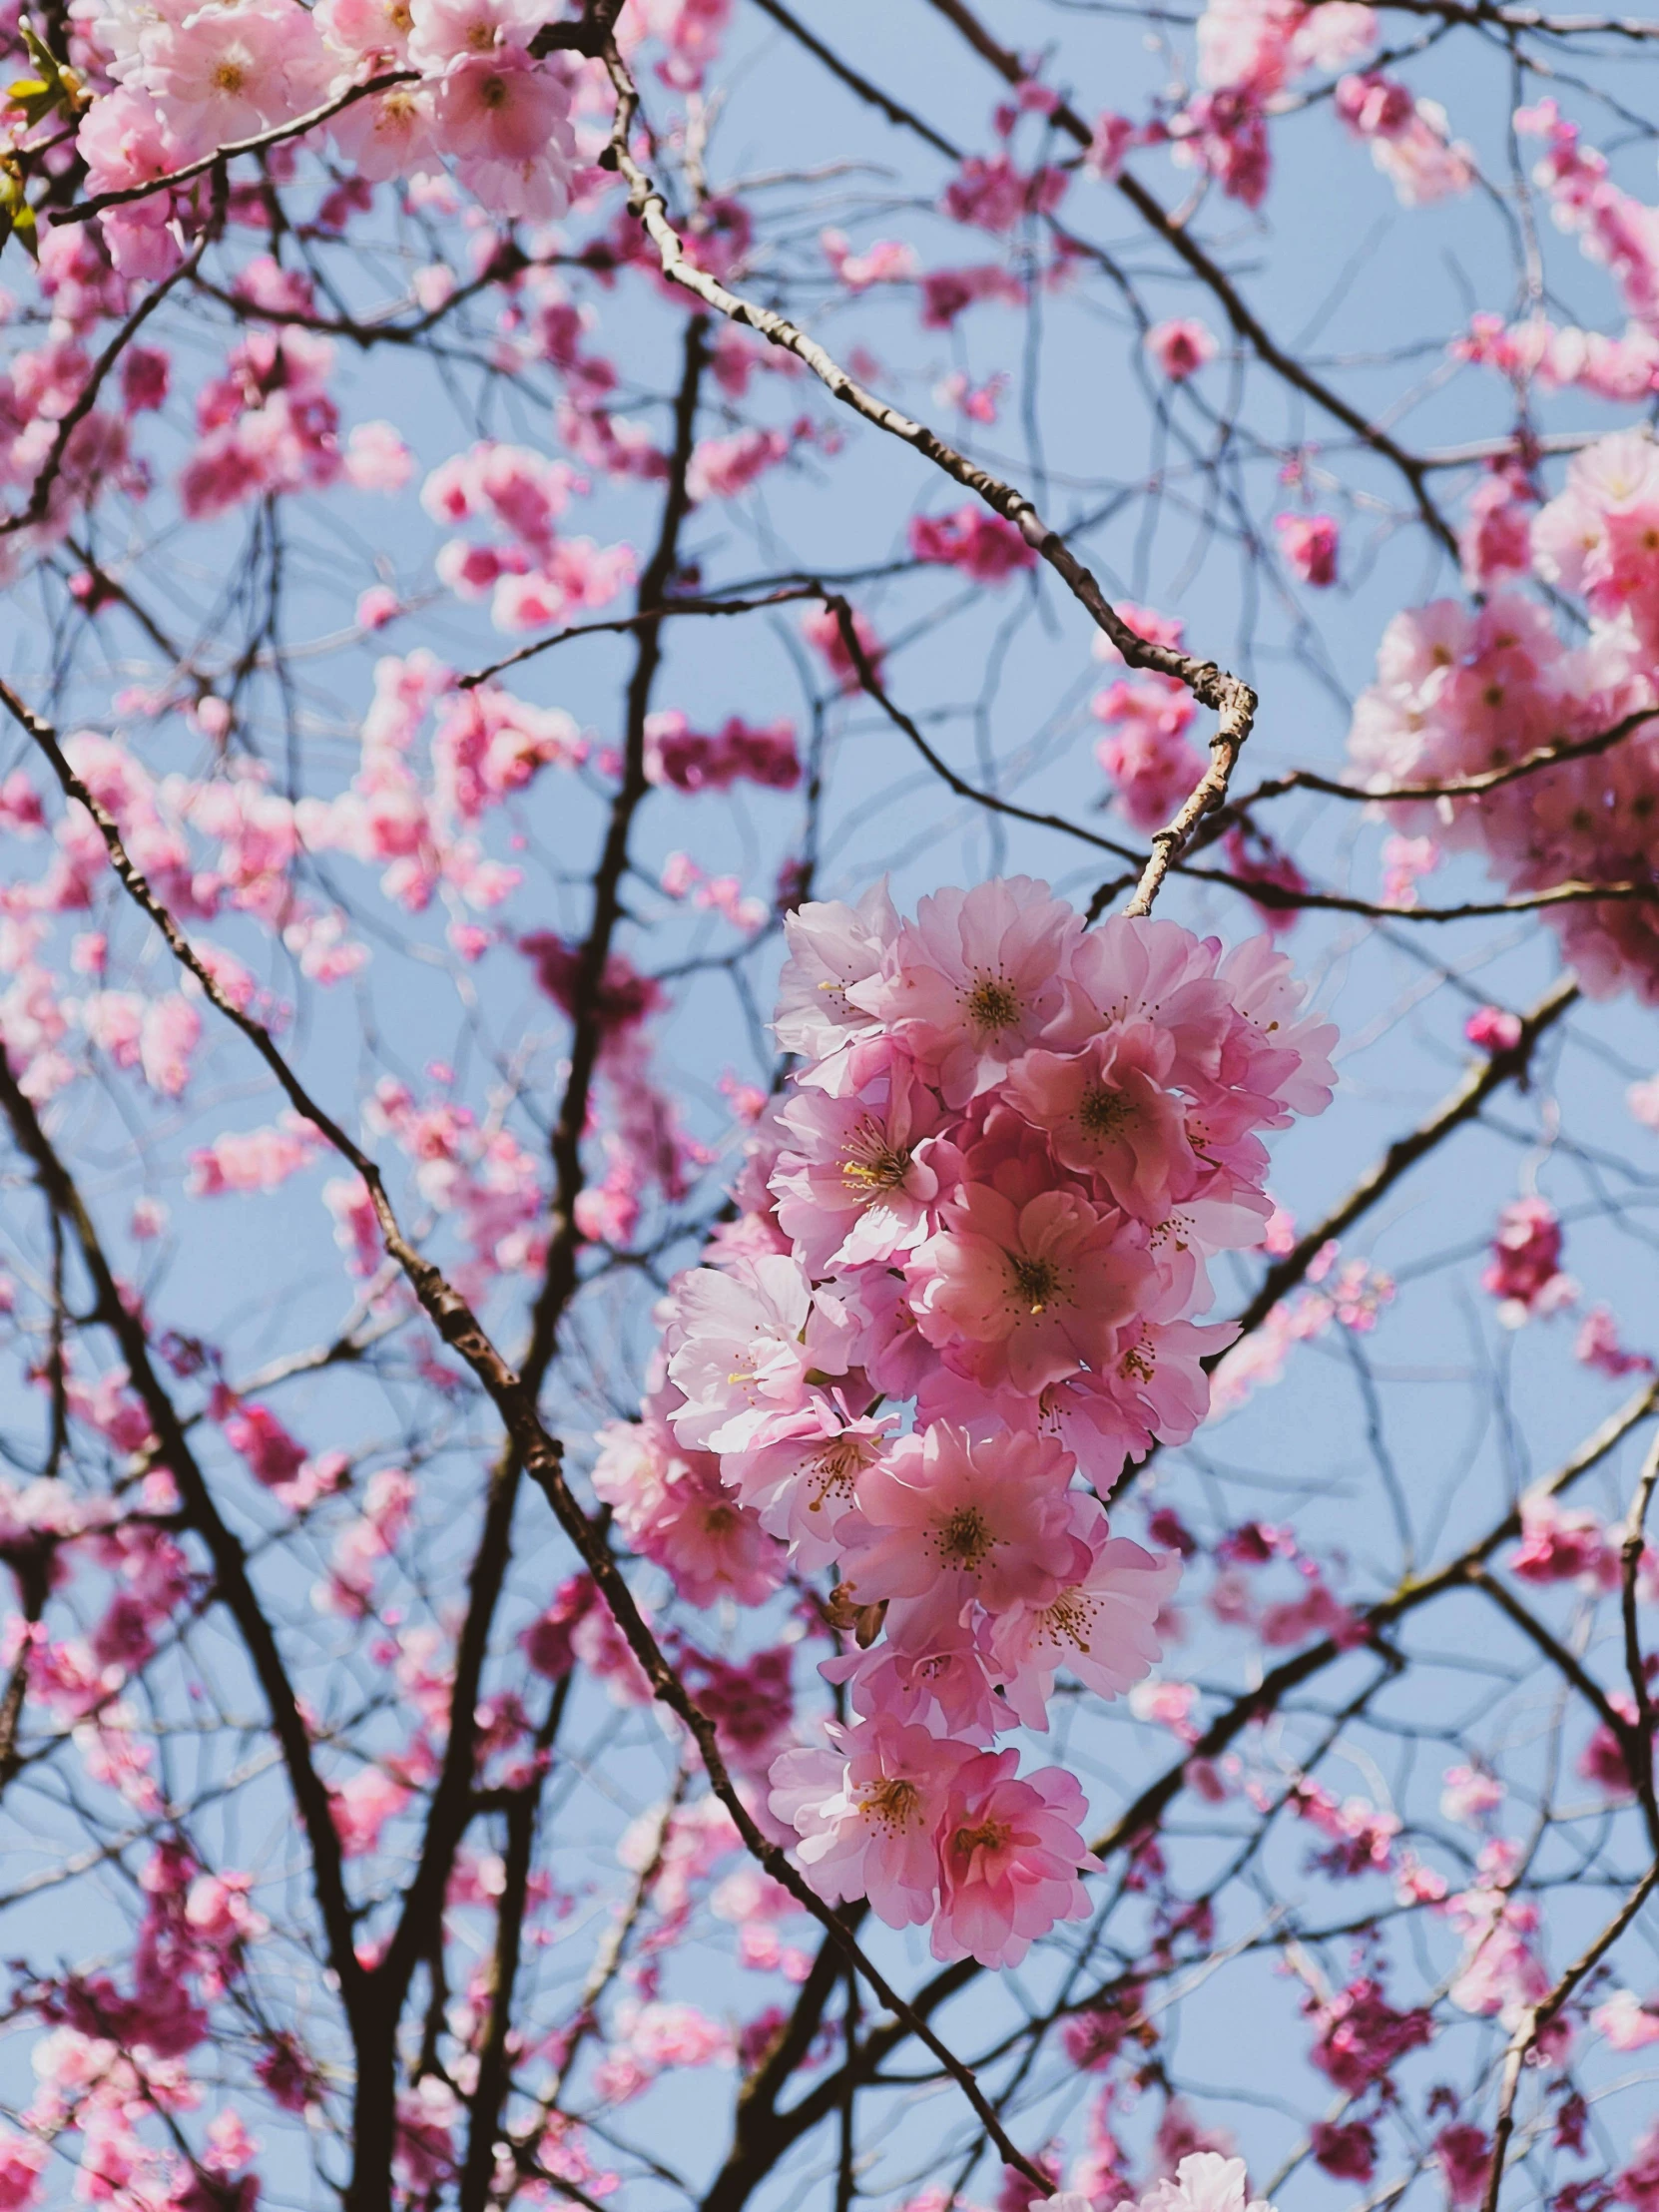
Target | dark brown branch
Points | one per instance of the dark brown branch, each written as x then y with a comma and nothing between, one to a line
869,680
451,1800
871,95
40,493
489,2094
1529,19
1572,1668
1631,1547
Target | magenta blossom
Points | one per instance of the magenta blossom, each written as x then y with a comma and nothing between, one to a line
1308,544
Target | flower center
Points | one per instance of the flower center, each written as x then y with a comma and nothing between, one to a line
1102,1112
1035,1281
493,92
895,1803
229,77
964,1538
836,1468
1069,1619
992,1004
872,1163
988,1835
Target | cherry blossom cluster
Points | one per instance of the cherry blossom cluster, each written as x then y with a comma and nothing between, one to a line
184,81
1464,692
1008,1151
1614,229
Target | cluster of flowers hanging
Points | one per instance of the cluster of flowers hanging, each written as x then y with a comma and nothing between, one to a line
181,81
988,1195
1465,692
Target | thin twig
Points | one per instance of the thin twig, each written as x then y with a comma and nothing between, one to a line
1454,787
1533,2022
618,623
84,209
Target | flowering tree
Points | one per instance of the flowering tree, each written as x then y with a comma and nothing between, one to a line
794,1409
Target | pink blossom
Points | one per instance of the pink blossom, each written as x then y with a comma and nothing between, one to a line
994,195
1024,1294
862,1175
1108,1111
1598,1346
737,1351
948,291
1408,139
974,981
866,1812
739,752
255,1160
1362,2037
942,1516
802,1480
447,31
1100,1627
823,630
1346,2149
884,261
832,949
509,124
1010,1852
1203,2181
1147,756
1492,1029
722,468
1638,2184
1467,1794
675,1510
1625,2022
361,1808
231,72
